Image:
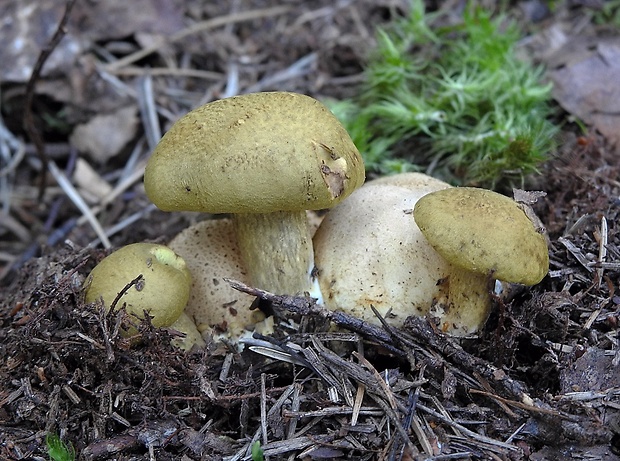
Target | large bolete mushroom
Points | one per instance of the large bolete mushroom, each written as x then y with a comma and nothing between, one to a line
368,251
162,291
484,236
265,158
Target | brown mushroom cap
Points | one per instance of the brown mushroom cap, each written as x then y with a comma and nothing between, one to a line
254,153
485,232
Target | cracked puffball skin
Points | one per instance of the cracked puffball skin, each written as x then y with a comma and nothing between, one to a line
369,251
163,290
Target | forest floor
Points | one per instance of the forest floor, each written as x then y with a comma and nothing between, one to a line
540,382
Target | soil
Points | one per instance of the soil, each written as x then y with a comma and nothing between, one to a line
540,382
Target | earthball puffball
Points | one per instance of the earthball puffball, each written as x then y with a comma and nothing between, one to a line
211,253
369,251
163,290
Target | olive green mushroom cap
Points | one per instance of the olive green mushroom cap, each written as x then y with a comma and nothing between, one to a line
163,290
485,232
254,153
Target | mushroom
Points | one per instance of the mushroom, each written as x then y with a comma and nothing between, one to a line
211,253
162,291
192,337
369,251
483,235
265,158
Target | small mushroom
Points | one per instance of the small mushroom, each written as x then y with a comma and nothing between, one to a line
368,251
162,291
265,158
211,253
484,236
184,324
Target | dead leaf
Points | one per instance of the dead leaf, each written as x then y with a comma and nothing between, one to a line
591,372
26,29
105,135
28,25
89,181
585,75
116,19
527,197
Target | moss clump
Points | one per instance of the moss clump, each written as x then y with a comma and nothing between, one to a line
451,99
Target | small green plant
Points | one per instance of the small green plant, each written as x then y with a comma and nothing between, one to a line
609,13
257,452
58,450
452,99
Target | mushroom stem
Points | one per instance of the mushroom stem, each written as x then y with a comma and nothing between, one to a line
285,237
469,302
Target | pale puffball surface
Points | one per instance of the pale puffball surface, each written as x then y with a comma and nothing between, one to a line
211,253
368,250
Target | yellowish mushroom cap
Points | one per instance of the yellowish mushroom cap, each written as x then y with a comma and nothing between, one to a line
485,232
254,153
163,292
184,324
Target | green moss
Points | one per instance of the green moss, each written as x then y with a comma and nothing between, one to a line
454,99
609,14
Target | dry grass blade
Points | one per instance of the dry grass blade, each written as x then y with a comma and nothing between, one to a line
148,113
124,223
298,69
196,28
12,152
602,250
577,253
28,118
167,72
79,202
121,187
467,432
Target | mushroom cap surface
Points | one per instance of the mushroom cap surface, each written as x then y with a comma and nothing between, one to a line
163,291
483,231
369,251
254,153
